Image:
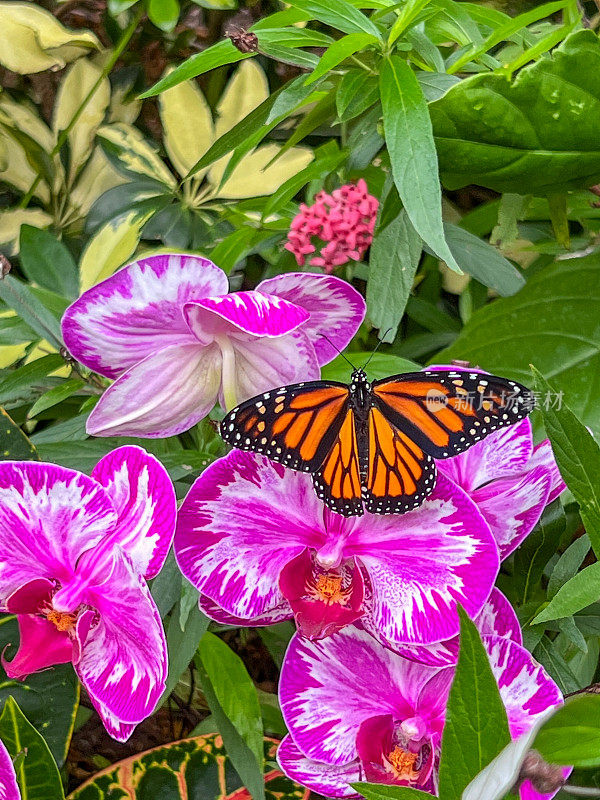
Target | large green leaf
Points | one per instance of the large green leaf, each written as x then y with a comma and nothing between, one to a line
578,457
37,773
552,323
476,727
49,698
413,158
572,735
191,768
535,135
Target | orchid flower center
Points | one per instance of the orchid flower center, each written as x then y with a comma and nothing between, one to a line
63,621
331,586
401,763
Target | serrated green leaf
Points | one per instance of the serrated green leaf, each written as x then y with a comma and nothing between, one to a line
412,152
476,726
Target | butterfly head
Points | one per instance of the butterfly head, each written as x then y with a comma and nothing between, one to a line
360,388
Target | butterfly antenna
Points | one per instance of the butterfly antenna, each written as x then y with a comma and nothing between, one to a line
335,348
377,346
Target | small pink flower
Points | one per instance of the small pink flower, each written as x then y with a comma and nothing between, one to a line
344,219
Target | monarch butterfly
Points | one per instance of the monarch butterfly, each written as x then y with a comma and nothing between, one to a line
373,445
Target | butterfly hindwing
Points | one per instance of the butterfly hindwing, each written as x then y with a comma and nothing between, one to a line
295,425
400,475
337,482
447,411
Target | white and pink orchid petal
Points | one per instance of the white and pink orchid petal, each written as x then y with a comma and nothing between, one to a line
326,780
280,613
544,457
143,495
526,689
242,521
49,516
251,312
336,308
120,731
422,563
123,662
8,779
138,311
513,506
262,364
498,618
504,453
329,687
163,395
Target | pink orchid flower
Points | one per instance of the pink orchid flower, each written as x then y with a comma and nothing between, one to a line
176,341
509,479
74,555
8,780
357,711
260,547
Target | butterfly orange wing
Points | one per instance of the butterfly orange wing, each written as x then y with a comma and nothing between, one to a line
337,482
295,425
447,411
400,475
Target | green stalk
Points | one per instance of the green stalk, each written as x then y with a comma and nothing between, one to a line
62,138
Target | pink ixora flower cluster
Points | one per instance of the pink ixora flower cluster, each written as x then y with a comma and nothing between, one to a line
365,681
177,341
75,553
344,219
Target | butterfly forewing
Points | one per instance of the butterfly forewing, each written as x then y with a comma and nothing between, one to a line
337,482
400,474
295,425
446,412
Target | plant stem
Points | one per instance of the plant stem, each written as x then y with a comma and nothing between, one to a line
62,138
581,791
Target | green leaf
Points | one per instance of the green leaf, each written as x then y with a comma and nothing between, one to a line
556,666
341,15
166,587
578,458
356,92
182,644
197,768
412,153
476,727
560,304
381,365
218,55
395,254
217,5
339,51
375,791
14,445
55,395
234,690
47,261
242,758
572,734
37,773
19,296
535,135
479,259
537,549
568,564
22,381
49,698
435,85
581,591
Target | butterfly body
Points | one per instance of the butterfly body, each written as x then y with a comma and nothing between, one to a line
372,445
